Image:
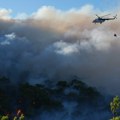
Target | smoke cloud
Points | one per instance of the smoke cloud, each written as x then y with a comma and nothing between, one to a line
56,45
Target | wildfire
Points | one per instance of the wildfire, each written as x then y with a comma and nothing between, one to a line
19,112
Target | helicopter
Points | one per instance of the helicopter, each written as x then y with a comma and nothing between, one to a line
102,19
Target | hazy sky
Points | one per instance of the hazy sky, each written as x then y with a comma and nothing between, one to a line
29,6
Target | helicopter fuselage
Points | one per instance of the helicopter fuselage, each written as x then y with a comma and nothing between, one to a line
101,20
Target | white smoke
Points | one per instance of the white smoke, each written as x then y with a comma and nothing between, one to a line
5,13
54,44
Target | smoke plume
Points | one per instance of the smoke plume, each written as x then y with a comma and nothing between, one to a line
56,45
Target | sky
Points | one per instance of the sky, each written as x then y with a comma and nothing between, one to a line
30,6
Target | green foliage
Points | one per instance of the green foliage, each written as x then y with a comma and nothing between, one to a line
22,117
0,117
115,118
115,107
4,118
15,118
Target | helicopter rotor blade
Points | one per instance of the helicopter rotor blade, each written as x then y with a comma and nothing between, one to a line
105,15
97,16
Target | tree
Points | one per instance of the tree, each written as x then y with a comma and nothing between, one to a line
22,117
15,118
4,118
115,108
